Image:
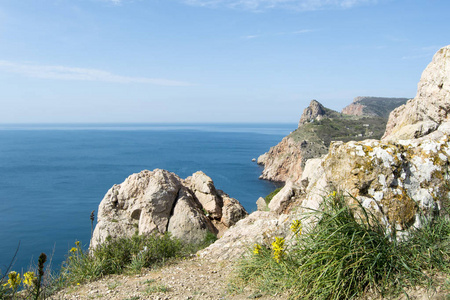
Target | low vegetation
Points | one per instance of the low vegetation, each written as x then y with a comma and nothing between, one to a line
115,256
341,128
380,106
347,255
269,197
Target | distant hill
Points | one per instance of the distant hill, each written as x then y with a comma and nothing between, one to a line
365,118
373,106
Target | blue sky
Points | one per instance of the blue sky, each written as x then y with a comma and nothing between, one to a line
208,60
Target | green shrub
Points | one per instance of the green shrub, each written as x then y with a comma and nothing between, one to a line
269,197
346,254
116,256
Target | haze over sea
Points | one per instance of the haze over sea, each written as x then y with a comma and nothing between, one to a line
53,176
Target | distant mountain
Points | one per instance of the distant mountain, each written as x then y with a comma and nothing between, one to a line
373,106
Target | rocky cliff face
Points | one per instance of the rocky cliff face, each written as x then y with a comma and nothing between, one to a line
430,107
286,160
403,182
373,106
159,201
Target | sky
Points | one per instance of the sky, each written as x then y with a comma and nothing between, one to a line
202,61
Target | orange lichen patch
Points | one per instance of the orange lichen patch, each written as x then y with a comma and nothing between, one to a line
367,149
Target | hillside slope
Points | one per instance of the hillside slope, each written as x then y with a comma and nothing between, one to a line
373,106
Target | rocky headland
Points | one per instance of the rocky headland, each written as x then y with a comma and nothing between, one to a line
401,178
365,118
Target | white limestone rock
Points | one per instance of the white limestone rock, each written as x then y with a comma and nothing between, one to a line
261,204
282,199
232,210
159,201
188,221
401,182
204,190
259,227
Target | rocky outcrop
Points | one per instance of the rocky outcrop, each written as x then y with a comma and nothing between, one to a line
315,111
206,193
431,106
261,204
373,106
159,201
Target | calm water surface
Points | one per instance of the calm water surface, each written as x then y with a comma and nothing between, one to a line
53,176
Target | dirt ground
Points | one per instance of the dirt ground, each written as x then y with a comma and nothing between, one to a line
187,279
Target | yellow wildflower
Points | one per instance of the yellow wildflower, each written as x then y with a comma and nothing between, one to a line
13,280
77,243
73,250
28,278
256,249
278,248
296,227
332,194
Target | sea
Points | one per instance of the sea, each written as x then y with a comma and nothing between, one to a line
53,176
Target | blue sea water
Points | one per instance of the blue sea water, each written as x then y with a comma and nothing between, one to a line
53,176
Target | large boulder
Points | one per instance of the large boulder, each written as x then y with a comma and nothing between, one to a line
159,201
204,190
431,106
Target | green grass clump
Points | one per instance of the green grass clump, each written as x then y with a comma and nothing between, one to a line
347,254
116,256
269,197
